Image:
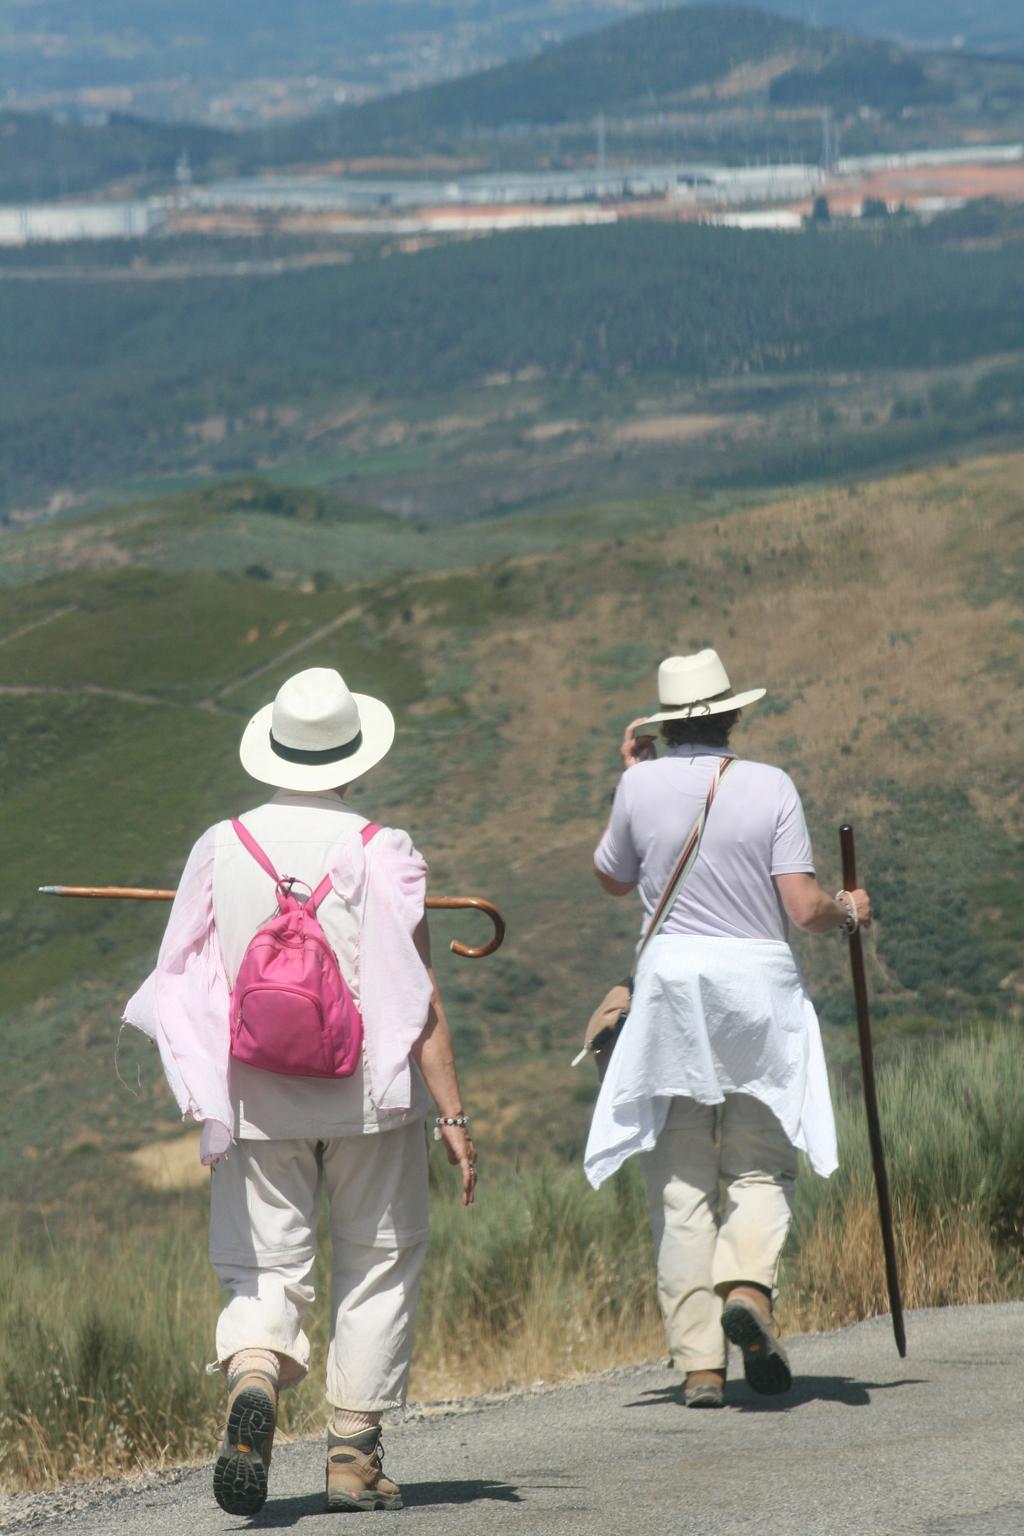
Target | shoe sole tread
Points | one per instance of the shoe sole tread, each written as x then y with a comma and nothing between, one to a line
764,1360
240,1474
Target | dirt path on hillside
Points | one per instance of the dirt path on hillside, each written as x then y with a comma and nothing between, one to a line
123,695
49,618
213,702
211,705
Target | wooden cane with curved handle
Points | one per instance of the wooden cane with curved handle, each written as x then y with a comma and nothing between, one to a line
433,903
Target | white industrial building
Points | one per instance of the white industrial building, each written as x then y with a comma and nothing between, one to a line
79,221
700,184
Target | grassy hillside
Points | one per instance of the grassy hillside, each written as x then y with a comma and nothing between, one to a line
114,379
881,618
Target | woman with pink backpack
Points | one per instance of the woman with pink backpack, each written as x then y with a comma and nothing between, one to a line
298,1020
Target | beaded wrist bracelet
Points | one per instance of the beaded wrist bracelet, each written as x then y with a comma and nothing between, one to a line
850,922
462,1121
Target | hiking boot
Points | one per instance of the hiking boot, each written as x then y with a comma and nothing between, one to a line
747,1321
355,1474
240,1471
704,1389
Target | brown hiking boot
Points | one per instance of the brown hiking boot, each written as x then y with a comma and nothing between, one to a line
747,1321
704,1389
240,1471
355,1474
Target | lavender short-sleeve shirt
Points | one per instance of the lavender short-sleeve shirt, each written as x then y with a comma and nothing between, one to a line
756,829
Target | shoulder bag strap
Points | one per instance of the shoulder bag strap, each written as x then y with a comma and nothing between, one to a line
685,862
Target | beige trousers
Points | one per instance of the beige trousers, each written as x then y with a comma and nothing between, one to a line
264,1210
706,1239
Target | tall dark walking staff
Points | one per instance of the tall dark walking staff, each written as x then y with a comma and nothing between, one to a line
867,1072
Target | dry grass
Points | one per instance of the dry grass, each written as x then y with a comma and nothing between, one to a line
838,1275
564,1327
562,1337
566,1322
102,1349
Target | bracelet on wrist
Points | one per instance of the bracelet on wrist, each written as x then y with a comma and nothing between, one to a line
850,922
461,1121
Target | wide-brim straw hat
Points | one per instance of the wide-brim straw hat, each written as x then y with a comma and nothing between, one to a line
317,734
692,686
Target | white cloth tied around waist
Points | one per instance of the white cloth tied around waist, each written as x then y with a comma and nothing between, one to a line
712,1016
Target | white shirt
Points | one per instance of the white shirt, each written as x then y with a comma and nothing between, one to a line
755,830
298,833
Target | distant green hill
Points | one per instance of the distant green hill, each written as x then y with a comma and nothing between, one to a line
113,379
644,62
707,58
116,41
747,83
994,25
43,158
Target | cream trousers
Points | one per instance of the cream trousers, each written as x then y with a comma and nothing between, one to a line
705,1239
264,1209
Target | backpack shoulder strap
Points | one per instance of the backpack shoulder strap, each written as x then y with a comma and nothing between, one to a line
250,844
367,834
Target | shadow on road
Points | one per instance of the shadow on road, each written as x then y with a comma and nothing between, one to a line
468,1491
279,1514
806,1389
817,1389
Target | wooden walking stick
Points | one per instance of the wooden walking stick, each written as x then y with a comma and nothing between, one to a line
867,1072
434,903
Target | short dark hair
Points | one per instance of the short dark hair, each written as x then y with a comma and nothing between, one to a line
702,730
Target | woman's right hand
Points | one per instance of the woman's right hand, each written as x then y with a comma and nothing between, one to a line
636,749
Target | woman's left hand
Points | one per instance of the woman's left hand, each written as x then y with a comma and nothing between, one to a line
458,1144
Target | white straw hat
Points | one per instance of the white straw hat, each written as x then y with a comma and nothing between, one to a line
316,734
691,686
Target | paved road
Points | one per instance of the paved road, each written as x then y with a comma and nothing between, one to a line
865,1445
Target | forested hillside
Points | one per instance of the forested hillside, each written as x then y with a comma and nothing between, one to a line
107,380
643,62
706,58
42,158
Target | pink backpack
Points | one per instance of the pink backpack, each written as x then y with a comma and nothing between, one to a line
291,1011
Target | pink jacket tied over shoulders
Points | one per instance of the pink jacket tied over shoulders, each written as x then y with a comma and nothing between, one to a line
183,1004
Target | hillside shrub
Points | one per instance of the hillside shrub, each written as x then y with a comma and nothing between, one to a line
103,1343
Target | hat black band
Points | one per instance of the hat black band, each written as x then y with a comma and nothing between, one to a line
700,706
330,755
